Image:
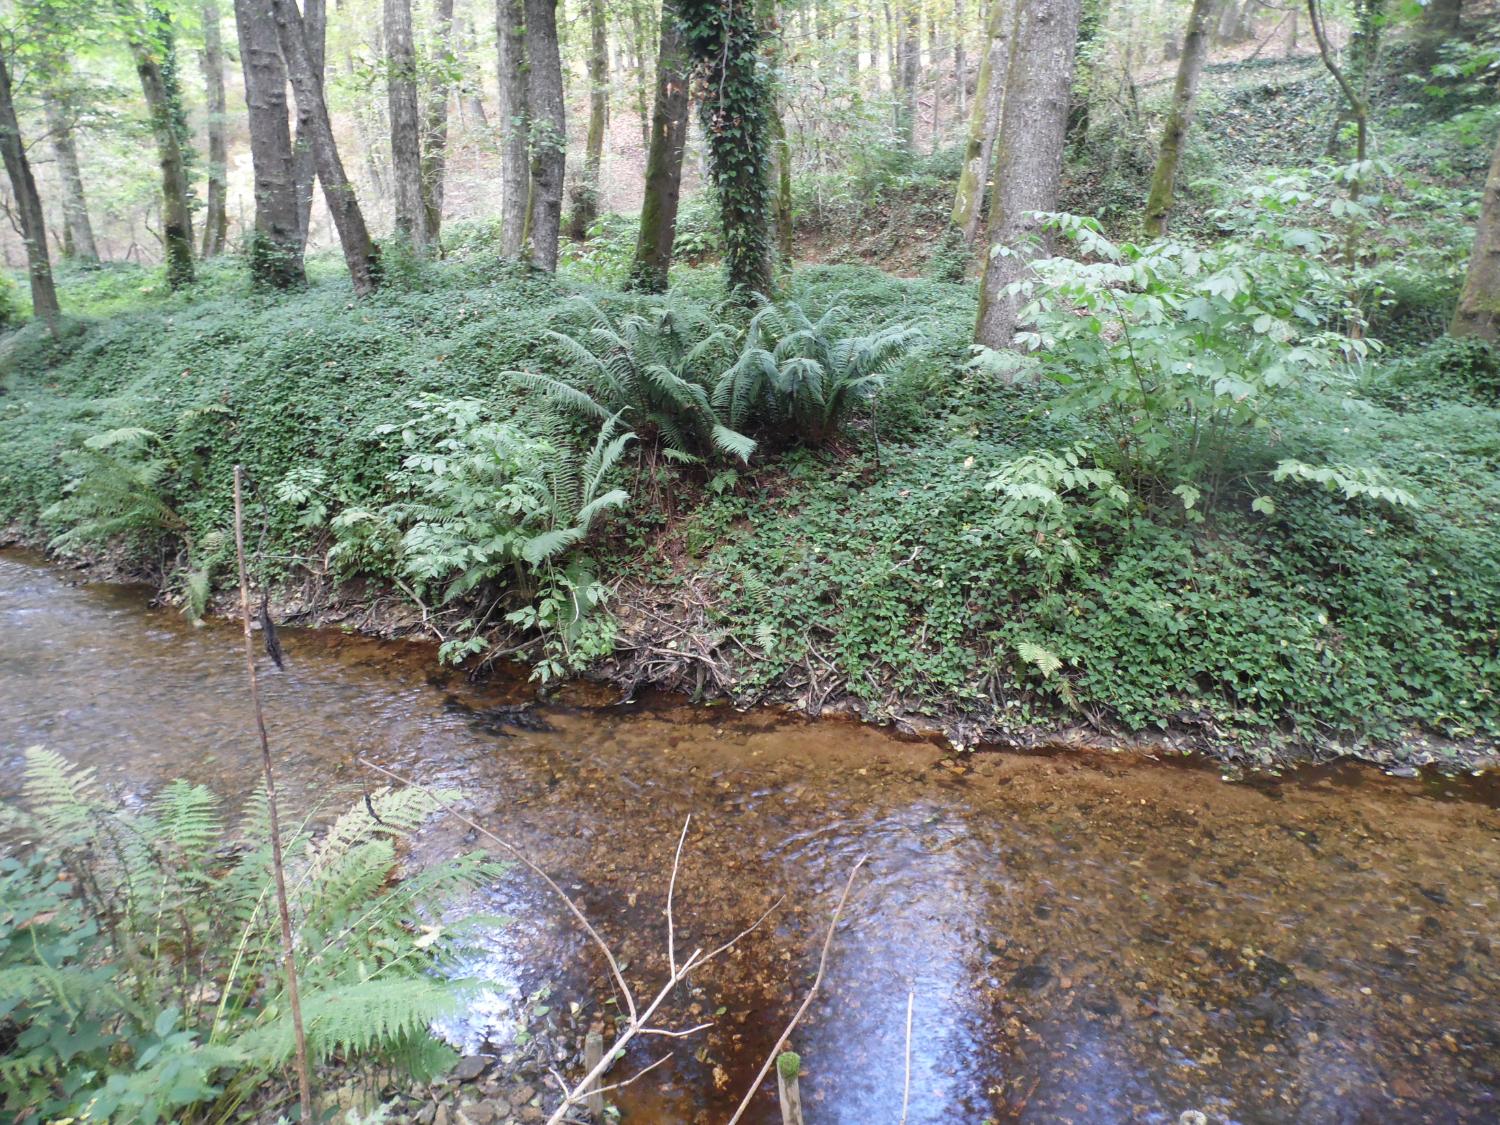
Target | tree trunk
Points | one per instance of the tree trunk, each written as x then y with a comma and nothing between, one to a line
78,232
1028,167
360,253
669,122
1184,93
585,207
276,246
435,127
1358,109
984,122
960,61
515,175
471,104
406,136
549,133
781,200
1442,20
29,207
216,216
1478,311
908,52
638,34
304,162
154,53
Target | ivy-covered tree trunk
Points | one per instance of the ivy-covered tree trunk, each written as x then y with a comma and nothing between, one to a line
1479,304
583,207
78,231
515,125
276,246
549,133
406,130
435,120
360,254
28,207
216,214
1028,168
305,164
153,50
724,39
1184,93
984,122
669,121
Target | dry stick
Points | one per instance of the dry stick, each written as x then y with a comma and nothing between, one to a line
911,998
288,949
786,1033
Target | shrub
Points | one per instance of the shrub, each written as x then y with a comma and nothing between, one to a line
140,950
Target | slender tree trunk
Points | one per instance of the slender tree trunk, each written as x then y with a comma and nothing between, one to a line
406,129
435,127
638,36
470,102
360,254
29,207
78,232
1478,311
960,61
669,123
1028,168
305,163
908,56
1184,93
515,125
1358,109
276,247
549,133
154,53
984,122
585,207
216,215
1442,20
781,200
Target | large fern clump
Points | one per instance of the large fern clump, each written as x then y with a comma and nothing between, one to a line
798,379
653,368
141,973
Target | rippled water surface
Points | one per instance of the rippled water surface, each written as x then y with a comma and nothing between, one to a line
1087,939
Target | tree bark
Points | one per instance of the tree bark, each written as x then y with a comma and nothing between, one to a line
435,128
669,123
1478,312
549,133
304,163
585,205
960,61
78,232
216,215
781,199
984,122
360,254
1028,167
29,206
1184,93
1358,108
154,54
638,35
276,247
908,60
406,136
515,175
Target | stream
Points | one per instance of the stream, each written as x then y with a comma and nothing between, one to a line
1085,938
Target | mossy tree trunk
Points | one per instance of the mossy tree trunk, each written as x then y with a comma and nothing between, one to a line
984,122
406,129
1028,167
1179,117
515,173
549,133
276,246
584,208
154,51
360,254
216,213
1479,304
669,122
28,205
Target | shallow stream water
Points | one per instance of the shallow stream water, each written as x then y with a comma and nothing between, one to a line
1084,938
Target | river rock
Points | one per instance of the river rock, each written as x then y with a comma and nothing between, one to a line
470,1067
477,1113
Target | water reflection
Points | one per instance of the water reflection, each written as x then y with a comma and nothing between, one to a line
1085,940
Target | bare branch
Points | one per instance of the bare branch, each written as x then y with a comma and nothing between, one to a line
911,998
671,889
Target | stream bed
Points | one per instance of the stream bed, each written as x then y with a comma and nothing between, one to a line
1085,938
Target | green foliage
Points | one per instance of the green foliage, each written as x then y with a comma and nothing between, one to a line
799,379
653,368
141,959
11,315
1449,370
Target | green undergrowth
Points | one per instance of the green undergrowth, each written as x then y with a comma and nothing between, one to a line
903,562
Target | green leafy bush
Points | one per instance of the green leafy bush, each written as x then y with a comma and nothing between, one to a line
140,952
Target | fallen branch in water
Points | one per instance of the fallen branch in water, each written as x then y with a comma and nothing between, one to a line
786,1033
